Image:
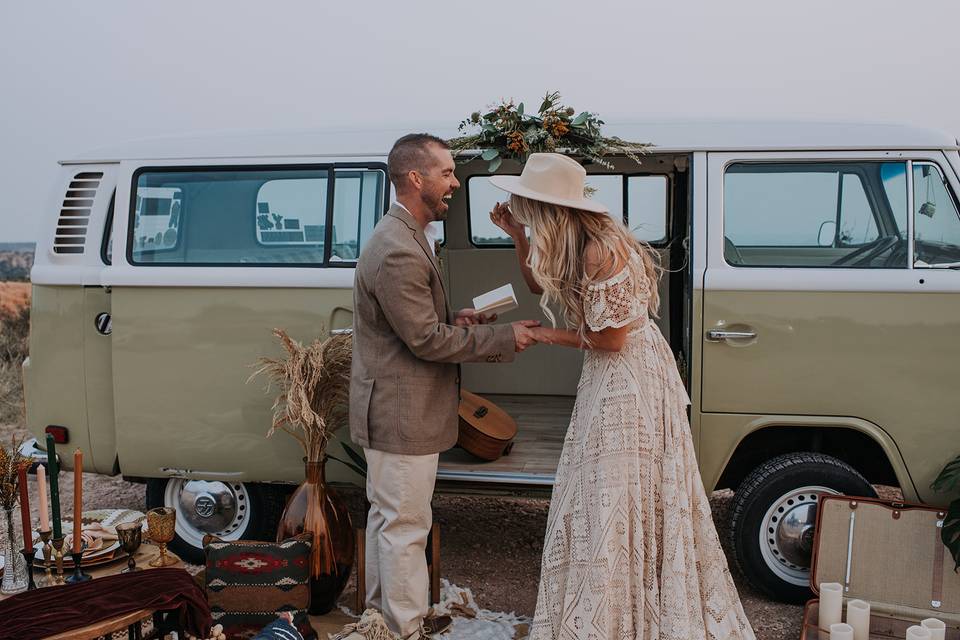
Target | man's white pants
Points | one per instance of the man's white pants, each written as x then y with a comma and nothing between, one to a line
399,488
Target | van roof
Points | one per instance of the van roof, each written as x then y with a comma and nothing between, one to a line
667,135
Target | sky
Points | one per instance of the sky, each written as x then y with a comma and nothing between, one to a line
79,75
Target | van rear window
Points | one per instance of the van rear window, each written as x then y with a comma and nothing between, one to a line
269,216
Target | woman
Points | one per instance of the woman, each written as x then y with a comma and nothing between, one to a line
631,550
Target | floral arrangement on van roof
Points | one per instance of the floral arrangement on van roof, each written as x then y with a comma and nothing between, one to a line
508,131
314,384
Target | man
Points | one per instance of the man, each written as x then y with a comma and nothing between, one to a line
405,380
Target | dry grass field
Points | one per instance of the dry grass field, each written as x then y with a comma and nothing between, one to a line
14,297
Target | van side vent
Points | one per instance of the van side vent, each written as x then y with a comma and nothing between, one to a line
75,213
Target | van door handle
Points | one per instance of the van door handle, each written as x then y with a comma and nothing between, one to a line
719,335
340,332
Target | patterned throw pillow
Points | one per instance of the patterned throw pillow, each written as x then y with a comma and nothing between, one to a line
249,582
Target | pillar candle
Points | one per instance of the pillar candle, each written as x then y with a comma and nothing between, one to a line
42,490
54,468
25,509
858,617
937,628
831,604
917,633
841,631
77,499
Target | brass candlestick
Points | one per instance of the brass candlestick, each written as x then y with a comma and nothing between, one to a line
78,574
47,557
58,554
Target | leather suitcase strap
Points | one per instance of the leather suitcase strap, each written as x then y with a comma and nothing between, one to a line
936,593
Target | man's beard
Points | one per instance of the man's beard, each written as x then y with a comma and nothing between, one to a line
436,207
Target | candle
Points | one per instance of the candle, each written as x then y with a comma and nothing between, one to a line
25,509
858,617
917,633
841,631
831,604
77,498
937,629
42,490
54,468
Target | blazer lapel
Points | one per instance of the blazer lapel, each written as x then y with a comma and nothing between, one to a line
404,216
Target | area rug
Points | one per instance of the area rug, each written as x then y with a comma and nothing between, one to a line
470,622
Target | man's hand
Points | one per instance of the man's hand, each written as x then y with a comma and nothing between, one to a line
469,317
523,334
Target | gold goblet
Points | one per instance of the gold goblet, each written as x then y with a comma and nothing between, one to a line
161,526
130,535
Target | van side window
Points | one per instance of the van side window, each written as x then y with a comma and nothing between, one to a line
267,216
845,215
644,200
936,224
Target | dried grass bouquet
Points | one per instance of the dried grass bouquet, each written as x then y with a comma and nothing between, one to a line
314,384
10,461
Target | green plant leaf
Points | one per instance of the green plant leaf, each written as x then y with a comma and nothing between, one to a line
352,467
489,154
580,119
949,477
950,534
358,459
494,164
520,109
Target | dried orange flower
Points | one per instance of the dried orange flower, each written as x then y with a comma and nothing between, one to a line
516,142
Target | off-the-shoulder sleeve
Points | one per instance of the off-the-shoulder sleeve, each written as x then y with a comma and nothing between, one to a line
616,301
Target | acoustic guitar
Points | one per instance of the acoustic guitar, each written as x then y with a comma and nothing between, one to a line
486,430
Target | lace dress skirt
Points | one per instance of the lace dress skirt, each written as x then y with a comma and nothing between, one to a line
631,550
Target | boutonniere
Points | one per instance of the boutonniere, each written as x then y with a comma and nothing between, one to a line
436,253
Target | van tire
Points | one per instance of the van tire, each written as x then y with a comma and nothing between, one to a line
255,518
781,497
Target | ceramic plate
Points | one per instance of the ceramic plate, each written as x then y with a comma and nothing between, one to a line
106,517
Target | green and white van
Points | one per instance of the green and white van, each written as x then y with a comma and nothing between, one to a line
811,298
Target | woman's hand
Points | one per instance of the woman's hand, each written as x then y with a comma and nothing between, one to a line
503,218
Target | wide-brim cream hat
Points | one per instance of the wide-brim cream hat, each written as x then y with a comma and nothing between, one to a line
553,178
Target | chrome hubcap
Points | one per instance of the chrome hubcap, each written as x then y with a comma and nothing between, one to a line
786,533
204,507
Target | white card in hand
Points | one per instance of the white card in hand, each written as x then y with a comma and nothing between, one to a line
500,300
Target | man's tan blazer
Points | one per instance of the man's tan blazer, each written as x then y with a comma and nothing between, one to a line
405,380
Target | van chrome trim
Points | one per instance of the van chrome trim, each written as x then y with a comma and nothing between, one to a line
304,277
199,474
540,479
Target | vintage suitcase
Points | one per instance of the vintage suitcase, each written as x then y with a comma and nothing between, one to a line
889,554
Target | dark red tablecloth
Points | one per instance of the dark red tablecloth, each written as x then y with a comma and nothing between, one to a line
52,610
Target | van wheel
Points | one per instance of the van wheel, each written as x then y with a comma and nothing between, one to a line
773,517
230,511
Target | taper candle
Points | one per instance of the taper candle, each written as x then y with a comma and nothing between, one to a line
841,631
42,490
54,468
25,509
937,628
77,498
831,604
917,632
858,617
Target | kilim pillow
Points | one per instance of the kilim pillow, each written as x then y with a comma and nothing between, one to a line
249,582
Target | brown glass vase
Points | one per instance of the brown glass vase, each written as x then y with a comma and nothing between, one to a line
316,508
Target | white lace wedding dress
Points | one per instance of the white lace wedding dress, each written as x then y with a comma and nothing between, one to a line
631,550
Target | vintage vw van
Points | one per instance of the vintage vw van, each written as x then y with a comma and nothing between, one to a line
810,296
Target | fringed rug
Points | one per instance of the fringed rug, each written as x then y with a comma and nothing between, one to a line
470,622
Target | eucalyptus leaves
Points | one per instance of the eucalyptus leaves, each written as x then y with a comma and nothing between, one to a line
508,132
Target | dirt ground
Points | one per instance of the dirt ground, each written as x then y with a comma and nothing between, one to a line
490,544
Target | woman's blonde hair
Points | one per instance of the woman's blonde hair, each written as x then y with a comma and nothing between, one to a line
559,237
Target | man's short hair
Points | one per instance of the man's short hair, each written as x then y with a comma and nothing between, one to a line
409,153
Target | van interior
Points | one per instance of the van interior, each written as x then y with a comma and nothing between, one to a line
538,388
